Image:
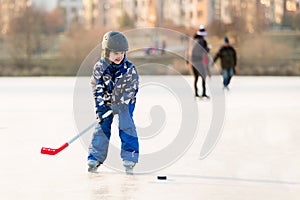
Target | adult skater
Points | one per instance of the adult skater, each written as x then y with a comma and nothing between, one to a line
200,60
115,85
227,54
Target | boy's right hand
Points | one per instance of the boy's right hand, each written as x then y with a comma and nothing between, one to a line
102,113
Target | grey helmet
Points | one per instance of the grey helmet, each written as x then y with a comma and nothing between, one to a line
114,41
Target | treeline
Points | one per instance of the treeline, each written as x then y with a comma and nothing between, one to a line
38,44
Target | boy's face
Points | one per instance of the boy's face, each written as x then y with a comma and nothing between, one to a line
116,57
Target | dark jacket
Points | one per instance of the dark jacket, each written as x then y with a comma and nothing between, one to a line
228,57
199,53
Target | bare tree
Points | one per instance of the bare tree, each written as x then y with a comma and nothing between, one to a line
78,44
54,21
238,26
125,20
25,36
218,28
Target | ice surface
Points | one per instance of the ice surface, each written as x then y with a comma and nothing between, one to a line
257,156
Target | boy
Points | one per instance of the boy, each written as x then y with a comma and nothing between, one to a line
115,85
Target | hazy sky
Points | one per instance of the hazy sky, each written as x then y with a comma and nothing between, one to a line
47,4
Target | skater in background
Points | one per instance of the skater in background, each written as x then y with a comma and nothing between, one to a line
163,47
115,85
200,60
227,54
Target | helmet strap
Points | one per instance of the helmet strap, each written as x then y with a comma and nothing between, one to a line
105,53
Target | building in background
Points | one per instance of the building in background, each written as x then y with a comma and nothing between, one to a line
174,12
10,9
150,13
145,13
277,12
90,13
72,10
130,8
46,5
273,10
189,13
222,10
101,13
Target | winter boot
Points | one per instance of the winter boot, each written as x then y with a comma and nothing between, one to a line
226,88
128,166
93,165
205,96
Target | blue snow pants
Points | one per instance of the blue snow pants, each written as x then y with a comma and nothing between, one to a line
127,133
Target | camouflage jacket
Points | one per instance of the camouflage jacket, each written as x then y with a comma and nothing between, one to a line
114,84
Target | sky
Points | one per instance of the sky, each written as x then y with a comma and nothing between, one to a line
48,4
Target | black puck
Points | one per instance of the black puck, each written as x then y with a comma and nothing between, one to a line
162,177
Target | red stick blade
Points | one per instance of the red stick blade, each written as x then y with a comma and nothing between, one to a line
48,151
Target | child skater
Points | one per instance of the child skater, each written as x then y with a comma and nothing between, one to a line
115,85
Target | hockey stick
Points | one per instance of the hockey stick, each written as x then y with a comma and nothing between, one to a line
51,151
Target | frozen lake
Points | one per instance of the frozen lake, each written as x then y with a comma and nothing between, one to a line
256,157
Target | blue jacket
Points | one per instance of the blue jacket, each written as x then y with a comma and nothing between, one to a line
114,84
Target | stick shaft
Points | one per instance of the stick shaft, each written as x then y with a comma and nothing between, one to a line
108,113
82,132
51,151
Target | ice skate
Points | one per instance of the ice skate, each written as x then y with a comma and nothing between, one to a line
205,96
128,166
93,165
226,88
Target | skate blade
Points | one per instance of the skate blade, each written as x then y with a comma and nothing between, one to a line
129,171
92,169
